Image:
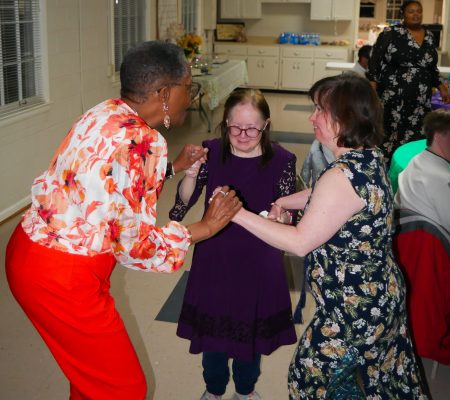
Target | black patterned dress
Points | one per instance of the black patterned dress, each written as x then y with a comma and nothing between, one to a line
405,74
359,328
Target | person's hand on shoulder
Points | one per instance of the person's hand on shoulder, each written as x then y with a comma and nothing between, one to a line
188,156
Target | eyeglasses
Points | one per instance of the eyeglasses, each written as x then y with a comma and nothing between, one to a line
194,89
235,130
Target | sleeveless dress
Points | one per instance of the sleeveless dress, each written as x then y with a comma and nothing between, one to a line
357,346
237,299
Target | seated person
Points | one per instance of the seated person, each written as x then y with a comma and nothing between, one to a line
424,185
362,64
315,162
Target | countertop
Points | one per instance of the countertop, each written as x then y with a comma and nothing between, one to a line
342,66
269,40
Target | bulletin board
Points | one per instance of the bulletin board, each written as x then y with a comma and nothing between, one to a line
229,32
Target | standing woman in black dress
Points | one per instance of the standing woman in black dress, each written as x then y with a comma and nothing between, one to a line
403,70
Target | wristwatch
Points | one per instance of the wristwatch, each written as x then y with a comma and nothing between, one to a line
170,172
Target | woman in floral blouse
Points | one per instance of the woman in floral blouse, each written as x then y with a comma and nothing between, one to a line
357,345
403,70
96,205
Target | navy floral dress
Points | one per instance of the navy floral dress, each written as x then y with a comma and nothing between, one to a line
405,73
357,346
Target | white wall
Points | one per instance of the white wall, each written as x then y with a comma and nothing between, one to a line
78,43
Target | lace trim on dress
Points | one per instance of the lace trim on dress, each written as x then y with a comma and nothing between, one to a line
239,331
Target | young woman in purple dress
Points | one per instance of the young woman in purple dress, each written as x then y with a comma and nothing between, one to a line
237,303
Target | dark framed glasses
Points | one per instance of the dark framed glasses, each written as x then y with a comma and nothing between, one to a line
235,130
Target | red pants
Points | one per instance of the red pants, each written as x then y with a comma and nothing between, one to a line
67,299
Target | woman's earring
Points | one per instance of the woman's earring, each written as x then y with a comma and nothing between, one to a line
166,115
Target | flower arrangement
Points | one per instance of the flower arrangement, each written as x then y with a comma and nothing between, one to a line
190,42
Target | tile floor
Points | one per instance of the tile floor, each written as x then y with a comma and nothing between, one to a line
28,371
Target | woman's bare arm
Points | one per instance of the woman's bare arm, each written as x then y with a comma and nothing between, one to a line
333,203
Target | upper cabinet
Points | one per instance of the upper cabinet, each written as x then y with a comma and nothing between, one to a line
240,9
286,1
328,10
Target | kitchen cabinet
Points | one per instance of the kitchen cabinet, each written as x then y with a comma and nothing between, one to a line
286,1
296,68
324,55
301,67
327,10
285,67
241,9
262,66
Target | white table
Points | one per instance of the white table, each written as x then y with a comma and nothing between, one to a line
219,83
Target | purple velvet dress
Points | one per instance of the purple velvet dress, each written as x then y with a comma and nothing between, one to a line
237,298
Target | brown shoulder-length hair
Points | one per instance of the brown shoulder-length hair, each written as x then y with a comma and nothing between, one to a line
257,99
354,107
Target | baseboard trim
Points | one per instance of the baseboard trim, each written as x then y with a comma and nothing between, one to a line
15,209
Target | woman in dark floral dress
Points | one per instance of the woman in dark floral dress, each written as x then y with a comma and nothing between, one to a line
357,345
403,69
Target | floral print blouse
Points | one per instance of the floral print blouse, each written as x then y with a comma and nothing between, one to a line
100,191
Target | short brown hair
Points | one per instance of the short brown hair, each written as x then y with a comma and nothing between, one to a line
437,121
354,107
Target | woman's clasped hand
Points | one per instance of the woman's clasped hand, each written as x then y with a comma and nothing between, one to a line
223,205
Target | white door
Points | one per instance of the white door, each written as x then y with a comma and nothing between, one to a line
262,72
343,9
230,9
321,9
296,73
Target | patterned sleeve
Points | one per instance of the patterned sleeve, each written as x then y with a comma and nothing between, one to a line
377,56
180,209
138,172
287,184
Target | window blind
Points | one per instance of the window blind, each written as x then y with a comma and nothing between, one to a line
21,83
129,27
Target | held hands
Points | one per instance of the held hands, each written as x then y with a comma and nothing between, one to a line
279,214
188,156
223,205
